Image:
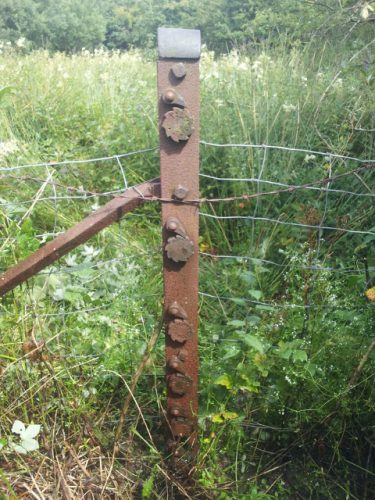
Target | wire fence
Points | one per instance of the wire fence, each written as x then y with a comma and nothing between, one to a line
237,213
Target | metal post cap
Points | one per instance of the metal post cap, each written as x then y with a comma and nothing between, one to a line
177,43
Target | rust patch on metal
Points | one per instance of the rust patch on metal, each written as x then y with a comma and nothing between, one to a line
179,249
179,384
178,124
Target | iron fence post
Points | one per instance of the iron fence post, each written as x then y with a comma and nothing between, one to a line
178,102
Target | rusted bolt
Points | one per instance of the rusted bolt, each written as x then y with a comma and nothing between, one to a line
177,311
175,412
179,330
179,384
179,70
180,192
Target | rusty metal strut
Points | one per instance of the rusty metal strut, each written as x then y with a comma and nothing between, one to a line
78,234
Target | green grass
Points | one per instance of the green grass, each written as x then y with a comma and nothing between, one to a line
278,415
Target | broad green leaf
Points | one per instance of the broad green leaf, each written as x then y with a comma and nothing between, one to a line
257,294
237,323
299,355
253,320
248,277
219,418
224,380
231,351
254,342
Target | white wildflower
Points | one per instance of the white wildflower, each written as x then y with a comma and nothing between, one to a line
7,148
288,108
71,260
89,252
309,158
21,42
338,83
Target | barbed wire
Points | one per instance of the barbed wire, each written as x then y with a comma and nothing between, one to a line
286,223
286,148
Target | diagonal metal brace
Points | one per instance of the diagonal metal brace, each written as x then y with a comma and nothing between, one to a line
107,214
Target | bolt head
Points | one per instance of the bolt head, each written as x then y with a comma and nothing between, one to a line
179,70
180,192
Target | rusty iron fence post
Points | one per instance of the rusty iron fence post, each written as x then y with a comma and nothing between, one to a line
178,100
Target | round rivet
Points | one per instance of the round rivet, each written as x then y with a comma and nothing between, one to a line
169,96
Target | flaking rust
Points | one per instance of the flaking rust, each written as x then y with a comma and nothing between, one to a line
178,83
178,124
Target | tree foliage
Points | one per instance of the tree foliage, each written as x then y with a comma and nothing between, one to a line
69,25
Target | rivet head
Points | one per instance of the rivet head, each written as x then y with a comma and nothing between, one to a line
177,311
179,70
169,96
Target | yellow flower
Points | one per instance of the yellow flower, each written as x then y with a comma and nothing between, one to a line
370,294
204,247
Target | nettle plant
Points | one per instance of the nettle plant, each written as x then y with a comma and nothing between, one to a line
26,441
